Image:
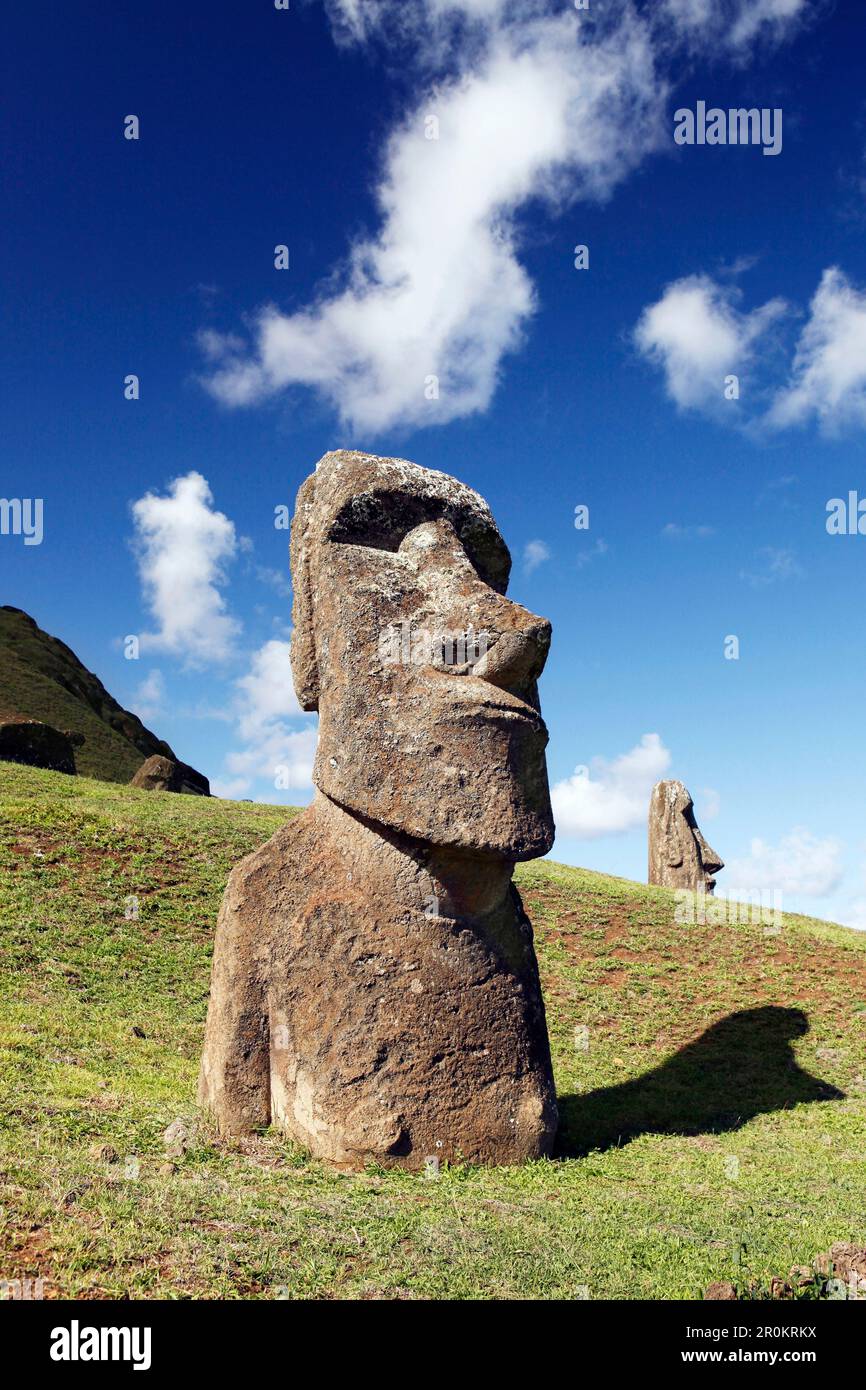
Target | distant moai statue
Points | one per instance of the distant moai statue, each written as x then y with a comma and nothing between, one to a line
679,856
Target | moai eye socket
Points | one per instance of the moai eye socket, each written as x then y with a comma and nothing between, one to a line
382,520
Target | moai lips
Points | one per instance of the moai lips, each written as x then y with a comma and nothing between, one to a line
375,991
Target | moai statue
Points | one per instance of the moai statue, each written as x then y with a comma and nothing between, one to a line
679,856
375,991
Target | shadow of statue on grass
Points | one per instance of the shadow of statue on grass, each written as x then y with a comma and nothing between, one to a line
741,1067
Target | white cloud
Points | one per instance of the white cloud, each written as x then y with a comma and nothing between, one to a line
283,756
706,23
849,905
735,22
534,554
268,691
439,290
774,566
183,545
698,336
608,798
774,15
828,378
800,864
357,20
230,788
272,748
533,100
853,915
149,698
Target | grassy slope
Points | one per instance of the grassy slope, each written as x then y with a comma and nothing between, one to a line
33,667
735,1169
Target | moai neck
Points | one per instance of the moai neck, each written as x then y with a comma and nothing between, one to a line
436,880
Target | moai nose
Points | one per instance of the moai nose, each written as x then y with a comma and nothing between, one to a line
515,660
517,641
712,862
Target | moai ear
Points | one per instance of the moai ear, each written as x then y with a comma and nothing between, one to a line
305,666
673,827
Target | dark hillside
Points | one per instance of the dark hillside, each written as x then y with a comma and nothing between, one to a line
41,678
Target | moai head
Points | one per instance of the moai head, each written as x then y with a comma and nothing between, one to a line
423,673
679,856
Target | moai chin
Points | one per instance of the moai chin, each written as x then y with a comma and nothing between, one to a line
679,856
375,991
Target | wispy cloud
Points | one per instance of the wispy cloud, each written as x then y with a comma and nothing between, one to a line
828,377
772,566
275,579
149,698
800,863
534,554
595,552
736,23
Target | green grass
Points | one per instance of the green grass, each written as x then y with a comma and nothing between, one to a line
695,1146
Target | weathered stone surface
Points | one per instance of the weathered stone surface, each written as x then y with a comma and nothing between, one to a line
35,744
160,774
846,1262
375,991
722,1291
679,856
179,1137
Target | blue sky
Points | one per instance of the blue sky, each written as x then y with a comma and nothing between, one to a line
558,386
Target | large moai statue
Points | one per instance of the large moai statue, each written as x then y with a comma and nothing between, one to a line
375,991
679,856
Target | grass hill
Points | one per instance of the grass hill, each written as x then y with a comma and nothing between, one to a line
711,1081
41,678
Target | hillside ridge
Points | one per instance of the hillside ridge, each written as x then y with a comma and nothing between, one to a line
42,678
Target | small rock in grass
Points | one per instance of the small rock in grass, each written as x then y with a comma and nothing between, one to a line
76,1193
722,1291
105,1153
178,1138
844,1261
